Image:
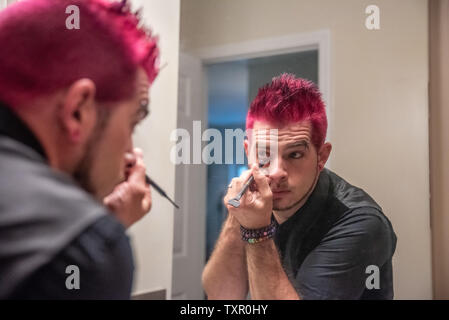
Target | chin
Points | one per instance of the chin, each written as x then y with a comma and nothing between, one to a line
101,194
280,204
111,186
284,204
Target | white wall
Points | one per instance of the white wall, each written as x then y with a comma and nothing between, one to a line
379,98
153,236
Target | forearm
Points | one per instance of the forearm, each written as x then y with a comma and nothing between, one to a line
267,278
225,275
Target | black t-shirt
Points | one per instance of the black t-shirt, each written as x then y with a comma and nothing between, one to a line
339,245
103,255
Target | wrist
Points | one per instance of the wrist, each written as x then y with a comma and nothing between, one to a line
264,219
231,222
259,247
256,235
231,232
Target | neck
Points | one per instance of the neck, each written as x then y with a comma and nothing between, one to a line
37,123
28,124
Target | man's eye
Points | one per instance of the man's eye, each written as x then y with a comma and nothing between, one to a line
296,155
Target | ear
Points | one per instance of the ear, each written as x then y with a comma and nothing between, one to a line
246,146
323,155
78,114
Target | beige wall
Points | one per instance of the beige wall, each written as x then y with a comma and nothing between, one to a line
439,137
379,97
152,237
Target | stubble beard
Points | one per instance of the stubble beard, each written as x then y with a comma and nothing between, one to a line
302,199
82,173
285,208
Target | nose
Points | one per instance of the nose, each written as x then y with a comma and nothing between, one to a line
277,171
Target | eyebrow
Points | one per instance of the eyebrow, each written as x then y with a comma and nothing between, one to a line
302,143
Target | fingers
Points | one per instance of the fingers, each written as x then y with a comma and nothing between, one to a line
231,191
260,188
130,159
137,172
131,199
261,181
116,198
130,162
139,177
245,176
237,183
147,202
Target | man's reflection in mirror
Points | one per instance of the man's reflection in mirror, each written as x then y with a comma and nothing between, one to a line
301,231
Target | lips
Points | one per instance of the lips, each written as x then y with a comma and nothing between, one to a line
279,193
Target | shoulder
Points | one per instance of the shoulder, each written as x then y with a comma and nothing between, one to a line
363,229
105,259
358,213
42,211
40,195
349,195
27,178
103,254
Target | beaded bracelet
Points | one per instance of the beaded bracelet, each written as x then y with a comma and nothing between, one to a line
258,235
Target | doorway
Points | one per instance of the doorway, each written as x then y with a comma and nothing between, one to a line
231,87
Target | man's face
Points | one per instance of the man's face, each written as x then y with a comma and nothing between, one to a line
103,166
293,171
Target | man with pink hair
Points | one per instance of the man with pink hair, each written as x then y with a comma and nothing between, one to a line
301,231
71,181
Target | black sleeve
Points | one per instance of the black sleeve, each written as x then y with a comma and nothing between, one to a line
336,268
104,258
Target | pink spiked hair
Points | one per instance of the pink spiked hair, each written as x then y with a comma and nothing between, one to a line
39,55
287,100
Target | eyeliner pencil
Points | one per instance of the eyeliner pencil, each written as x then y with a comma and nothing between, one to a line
160,190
